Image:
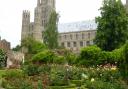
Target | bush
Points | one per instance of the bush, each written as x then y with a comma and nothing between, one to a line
59,60
31,69
13,73
46,56
123,66
89,55
3,59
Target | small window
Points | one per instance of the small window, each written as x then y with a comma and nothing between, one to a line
74,44
71,36
65,37
83,36
68,44
76,36
88,43
81,44
88,35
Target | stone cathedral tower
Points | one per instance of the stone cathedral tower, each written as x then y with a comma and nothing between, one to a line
41,16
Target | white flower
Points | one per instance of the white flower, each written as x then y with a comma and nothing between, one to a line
92,79
84,76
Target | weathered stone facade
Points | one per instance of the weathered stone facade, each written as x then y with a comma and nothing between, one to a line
4,45
41,15
76,40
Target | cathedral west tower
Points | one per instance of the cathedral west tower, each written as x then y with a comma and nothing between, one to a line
41,16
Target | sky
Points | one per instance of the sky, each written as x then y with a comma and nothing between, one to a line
69,11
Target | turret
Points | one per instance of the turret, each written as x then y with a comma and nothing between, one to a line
25,24
37,32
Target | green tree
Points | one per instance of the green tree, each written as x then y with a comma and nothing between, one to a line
33,46
17,48
112,30
3,59
51,32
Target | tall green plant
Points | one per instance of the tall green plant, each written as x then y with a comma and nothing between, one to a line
124,62
112,30
51,32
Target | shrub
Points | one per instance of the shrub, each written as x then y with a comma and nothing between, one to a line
59,60
89,55
123,66
13,73
31,69
46,56
3,59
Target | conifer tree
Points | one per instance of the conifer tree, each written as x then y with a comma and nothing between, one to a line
51,32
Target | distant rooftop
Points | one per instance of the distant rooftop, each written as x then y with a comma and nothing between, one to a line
77,26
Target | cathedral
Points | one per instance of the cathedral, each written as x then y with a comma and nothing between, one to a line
41,15
72,40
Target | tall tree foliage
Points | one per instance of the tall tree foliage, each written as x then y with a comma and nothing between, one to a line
112,30
51,33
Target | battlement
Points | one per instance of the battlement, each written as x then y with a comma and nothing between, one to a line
26,14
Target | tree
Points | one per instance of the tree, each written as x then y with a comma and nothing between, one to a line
17,48
3,59
33,46
112,30
51,32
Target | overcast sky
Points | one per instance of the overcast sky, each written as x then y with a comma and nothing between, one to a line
69,10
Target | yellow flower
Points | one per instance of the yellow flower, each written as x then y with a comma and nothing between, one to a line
113,68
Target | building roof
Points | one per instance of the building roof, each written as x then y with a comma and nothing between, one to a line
77,26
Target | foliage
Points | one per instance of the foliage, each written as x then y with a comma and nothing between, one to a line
40,84
46,56
31,70
13,73
94,78
112,30
17,48
50,35
93,56
89,55
123,66
98,84
3,59
58,76
109,57
59,60
33,46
